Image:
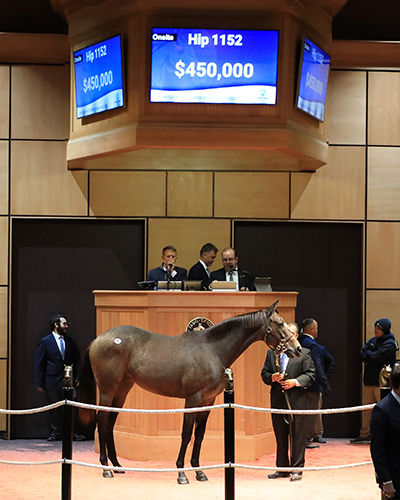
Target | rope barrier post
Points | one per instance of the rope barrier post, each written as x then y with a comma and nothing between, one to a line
67,435
229,435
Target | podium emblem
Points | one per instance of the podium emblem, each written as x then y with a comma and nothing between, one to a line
199,323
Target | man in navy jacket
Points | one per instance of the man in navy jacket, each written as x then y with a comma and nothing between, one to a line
168,271
385,439
54,351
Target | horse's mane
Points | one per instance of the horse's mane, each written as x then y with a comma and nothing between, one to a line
220,330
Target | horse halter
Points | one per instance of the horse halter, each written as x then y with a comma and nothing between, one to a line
281,343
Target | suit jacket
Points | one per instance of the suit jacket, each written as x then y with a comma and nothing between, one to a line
321,383
385,440
246,280
158,274
49,364
301,368
197,272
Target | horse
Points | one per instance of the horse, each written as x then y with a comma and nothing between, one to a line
190,366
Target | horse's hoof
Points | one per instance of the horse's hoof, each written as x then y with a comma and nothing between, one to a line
182,479
200,476
108,473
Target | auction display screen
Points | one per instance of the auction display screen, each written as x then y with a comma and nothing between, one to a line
214,66
98,77
313,80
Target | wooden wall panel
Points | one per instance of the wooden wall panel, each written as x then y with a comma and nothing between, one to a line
384,108
253,194
4,177
190,194
347,107
383,304
4,101
3,322
383,255
383,183
336,191
129,194
3,393
38,102
188,236
41,183
3,250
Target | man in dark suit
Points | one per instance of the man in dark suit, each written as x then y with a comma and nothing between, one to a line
288,377
231,272
200,271
309,332
385,439
168,271
54,351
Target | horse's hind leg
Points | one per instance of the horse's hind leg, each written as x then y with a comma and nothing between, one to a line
111,451
187,428
200,429
102,425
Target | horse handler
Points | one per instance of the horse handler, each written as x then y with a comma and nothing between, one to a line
288,377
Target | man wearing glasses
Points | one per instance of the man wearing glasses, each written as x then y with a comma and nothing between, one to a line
231,272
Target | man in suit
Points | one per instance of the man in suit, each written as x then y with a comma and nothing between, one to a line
288,378
385,439
54,351
231,272
309,332
168,271
200,271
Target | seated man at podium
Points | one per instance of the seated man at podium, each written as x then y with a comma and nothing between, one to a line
168,270
232,272
200,271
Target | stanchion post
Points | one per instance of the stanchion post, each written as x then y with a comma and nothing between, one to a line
67,435
229,435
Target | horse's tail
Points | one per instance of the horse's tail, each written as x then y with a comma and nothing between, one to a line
87,390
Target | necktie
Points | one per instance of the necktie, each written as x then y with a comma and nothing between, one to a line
62,347
230,276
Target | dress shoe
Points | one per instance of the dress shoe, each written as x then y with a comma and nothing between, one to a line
319,439
54,437
311,446
277,475
296,476
79,437
361,440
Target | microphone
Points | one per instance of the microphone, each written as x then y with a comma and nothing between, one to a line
231,268
170,264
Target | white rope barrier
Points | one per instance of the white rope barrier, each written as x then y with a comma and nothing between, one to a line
33,410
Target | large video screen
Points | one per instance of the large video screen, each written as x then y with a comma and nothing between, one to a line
313,80
99,77
214,66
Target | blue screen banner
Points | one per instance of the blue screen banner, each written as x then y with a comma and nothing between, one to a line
313,80
99,77
214,66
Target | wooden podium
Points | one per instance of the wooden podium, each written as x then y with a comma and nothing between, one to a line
157,436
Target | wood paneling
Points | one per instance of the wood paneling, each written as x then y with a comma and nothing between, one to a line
384,108
383,304
4,177
129,194
4,101
41,183
347,107
188,236
383,255
3,250
38,102
336,191
190,194
383,201
253,194
3,393
3,322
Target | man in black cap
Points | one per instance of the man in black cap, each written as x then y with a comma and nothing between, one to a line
378,352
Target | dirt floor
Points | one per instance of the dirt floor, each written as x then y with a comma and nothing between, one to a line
37,482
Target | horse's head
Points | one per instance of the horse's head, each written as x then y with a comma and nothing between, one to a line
278,336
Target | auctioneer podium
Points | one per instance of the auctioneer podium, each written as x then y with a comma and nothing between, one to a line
157,436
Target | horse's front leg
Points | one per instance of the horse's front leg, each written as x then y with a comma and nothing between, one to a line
187,429
102,426
201,422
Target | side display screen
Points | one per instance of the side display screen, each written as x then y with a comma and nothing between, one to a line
99,77
214,66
